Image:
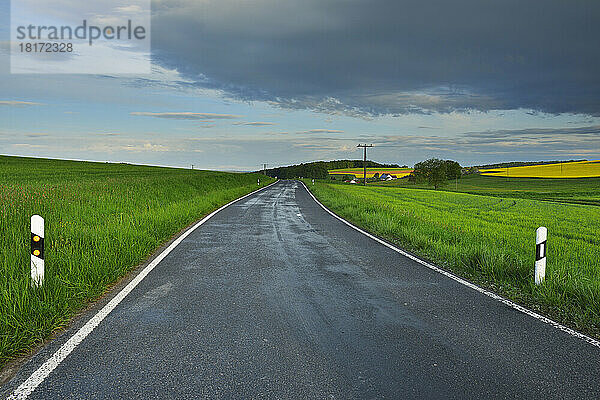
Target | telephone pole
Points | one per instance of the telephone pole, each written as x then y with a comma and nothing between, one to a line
364,146
265,169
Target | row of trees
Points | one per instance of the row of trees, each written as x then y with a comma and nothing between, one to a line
316,170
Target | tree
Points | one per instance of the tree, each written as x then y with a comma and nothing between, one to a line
453,169
436,172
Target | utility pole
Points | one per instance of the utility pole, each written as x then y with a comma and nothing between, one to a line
364,146
265,169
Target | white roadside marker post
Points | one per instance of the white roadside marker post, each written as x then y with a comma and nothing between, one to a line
37,250
541,236
313,181
258,183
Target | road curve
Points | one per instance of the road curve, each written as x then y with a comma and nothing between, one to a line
275,298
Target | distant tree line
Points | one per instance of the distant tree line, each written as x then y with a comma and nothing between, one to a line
319,169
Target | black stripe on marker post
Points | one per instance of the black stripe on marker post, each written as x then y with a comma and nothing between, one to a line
540,251
37,246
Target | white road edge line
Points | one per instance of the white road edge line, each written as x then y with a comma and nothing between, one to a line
494,296
31,383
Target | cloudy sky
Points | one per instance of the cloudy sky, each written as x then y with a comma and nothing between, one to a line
236,83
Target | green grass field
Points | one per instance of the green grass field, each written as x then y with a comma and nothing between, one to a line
490,240
101,220
573,190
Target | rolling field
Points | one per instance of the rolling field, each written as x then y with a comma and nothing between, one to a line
578,169
359,172
489,240
101,220
574,190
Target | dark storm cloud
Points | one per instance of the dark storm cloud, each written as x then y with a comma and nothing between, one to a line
388,56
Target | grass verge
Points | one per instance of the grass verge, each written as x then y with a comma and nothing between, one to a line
101,220
490,241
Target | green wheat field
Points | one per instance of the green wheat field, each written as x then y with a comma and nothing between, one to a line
101,221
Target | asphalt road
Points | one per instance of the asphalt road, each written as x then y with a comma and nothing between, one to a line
275,298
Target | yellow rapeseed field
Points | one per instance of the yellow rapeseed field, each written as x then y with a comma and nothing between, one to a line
578,169
359,173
